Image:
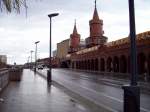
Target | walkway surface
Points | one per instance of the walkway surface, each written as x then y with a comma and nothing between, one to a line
33,94
86,85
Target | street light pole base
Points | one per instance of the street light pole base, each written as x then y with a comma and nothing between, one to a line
131,98
34,69
49,76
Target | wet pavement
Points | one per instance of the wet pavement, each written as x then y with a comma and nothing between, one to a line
33,94
111,97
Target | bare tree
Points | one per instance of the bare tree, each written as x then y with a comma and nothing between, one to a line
12,5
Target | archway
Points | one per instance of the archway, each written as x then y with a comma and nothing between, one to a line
81,64
73,64
109,64
116,64
96,64
88,65
65,64
77,64
85,64
148,65
123,64
128,65
92,64
141,63
102,64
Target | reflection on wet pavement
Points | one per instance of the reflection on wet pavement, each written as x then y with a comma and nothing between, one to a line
33,94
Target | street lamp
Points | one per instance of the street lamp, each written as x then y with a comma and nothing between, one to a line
49,77
36,55
31,59
132,91
28,62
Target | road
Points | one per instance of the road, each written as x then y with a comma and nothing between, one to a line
88,86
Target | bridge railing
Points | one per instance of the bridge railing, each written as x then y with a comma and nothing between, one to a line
4,78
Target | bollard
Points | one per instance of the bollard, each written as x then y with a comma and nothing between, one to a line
49,76
131,98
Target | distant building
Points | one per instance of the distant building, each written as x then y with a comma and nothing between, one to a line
82,44
3,59
54,53
62,49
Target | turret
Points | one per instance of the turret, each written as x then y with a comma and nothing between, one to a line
96,30
74,39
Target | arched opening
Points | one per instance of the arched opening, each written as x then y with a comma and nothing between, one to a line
65,64
84,64
116,64
148,65
81,64
77,64
92,64
123,64
73,64
109,64
88,65
129,64
96,64
102,64
141,63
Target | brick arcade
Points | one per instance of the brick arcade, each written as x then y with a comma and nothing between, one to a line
102,56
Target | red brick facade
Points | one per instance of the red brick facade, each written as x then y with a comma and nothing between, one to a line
74,40
100,55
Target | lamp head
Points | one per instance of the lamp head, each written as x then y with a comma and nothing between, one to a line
37,42
53,15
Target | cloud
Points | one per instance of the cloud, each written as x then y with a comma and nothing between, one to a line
18,33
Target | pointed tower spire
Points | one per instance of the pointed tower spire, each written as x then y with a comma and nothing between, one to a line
75,28
95,15
96,30
74,39
95,3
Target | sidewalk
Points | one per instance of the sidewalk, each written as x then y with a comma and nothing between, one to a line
32,94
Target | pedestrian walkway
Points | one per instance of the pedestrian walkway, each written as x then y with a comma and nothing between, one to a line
33,94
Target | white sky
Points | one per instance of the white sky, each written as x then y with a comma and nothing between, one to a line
18,33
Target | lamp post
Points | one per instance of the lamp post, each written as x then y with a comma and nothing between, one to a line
36,55
31,59
49,77
132,91
28,61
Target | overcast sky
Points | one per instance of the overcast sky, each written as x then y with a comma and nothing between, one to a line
18,33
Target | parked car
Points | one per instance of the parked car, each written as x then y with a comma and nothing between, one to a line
40,67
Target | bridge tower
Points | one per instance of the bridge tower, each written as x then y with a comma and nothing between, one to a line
74,40
96,30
